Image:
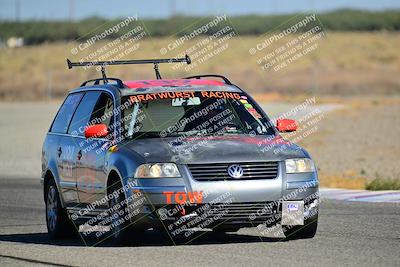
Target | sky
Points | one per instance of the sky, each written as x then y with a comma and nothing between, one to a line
78,9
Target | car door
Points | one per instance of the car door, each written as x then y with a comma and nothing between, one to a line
92,173
65,149
67,170
84,179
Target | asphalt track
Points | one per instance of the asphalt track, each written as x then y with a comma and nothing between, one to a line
349,233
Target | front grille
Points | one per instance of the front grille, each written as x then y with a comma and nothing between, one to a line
219,171
209,214
250,211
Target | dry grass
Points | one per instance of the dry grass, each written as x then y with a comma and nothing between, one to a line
343,64
380,183
342,182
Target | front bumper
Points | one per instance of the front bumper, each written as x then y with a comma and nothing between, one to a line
246,203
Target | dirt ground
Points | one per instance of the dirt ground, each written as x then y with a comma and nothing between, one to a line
23,127
359,141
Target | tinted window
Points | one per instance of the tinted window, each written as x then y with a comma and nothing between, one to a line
103,111
64,115
83,113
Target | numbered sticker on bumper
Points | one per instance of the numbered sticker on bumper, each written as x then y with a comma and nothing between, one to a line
293,213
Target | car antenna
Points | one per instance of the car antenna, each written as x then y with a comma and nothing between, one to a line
103,64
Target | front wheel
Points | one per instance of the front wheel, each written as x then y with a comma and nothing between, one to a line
308,230
122,230
226,229
59,225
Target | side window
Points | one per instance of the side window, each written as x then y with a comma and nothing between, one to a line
83,113
103,111
64,115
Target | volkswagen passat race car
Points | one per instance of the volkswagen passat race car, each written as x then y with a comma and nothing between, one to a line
173,155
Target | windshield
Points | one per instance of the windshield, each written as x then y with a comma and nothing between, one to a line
192,114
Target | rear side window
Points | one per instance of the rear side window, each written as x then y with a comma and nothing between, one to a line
64,115
83,113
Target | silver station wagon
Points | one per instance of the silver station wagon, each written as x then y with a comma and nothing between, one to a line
173,155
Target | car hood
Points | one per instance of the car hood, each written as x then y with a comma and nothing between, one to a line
235,148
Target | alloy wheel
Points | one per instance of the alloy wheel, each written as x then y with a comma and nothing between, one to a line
51,208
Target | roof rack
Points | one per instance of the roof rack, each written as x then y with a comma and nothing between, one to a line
103,64
226,80
120,84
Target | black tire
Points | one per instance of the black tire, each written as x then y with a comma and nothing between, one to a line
59,225
308,230
124,232
226,229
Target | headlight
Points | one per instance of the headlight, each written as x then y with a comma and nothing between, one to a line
157,170
299,165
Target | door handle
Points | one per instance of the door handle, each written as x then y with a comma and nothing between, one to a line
79,155
59,152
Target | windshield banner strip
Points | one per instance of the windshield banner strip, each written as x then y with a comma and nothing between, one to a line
189,94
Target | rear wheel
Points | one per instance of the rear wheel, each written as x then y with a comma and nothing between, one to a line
59,225
308,230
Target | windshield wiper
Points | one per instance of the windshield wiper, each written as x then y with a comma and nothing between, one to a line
140,135
230,132
185,133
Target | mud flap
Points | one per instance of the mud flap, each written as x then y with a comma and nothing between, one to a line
293,213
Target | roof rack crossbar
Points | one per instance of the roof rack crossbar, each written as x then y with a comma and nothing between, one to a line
120,84
103,64
226,80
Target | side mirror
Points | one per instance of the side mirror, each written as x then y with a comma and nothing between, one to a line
286,125
96,131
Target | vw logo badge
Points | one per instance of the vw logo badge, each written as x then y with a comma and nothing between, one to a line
235,171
